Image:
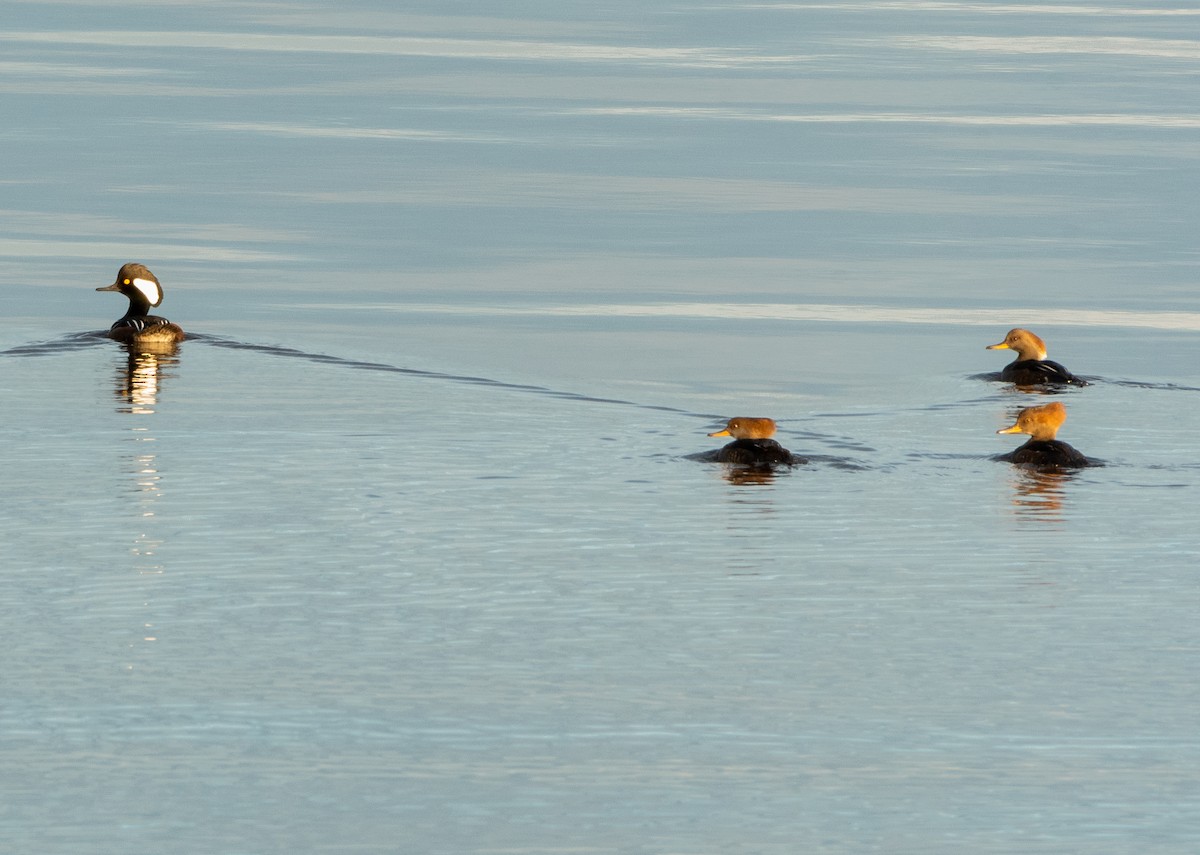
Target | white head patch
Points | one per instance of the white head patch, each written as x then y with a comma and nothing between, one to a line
150,289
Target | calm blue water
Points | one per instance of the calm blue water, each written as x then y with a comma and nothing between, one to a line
401,551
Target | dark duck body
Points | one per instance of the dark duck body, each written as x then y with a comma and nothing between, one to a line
1042,450
143,291
752,444
1031,367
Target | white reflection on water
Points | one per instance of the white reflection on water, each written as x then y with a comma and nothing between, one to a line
1108,45
356,133
42,70
70,248
90,236
642,193
822,312
18,221
990,119
442,48
137,384
987,8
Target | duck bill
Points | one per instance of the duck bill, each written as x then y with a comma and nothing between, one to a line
116,286
1001,346
1013,429
722,433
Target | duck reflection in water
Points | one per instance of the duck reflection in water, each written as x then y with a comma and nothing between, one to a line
753,450
139,381
749,475
1040,494
1042,451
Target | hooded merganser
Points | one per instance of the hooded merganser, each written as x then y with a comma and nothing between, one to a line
1042,450
752,443
141,286
1031,367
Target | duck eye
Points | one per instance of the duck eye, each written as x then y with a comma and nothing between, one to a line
126,282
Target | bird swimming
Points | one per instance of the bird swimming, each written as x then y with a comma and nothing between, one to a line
1031,367
1042,450
143,291
752,444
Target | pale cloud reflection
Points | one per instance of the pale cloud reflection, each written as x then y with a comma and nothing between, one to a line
1104,45
36,77
894,117
430,46
16,221
354,133
832,313
656,193
344,17
90,236
42,70
983,8
31,248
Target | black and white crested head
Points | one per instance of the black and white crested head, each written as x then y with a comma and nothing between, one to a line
139,276
141,286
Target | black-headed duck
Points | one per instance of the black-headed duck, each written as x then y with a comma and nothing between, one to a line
144,292
1042,450
1031,367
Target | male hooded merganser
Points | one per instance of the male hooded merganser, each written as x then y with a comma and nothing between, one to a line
1031,367
752,443
1042,450
141,286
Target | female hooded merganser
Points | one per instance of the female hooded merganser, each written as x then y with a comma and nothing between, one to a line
141,286
752,443
1042,450
1031,367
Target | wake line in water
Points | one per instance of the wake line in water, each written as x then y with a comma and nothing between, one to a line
326,359
66,344
80,341
83,341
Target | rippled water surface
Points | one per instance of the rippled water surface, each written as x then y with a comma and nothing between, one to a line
403,549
